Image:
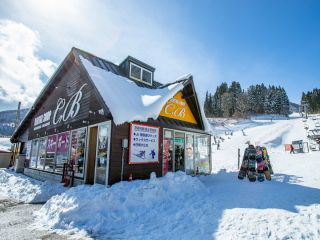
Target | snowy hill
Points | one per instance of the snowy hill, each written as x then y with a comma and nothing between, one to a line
293,107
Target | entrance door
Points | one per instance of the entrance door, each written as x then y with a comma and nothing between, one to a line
168,152
179,159
102,154
92,146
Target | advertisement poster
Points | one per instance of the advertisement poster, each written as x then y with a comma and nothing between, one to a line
63,143
144,144
166,155
52,144
28,153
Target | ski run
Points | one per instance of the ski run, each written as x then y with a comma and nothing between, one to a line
179,206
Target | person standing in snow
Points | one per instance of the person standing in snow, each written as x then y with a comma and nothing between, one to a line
291,149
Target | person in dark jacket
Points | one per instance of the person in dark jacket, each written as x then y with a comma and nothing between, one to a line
291,149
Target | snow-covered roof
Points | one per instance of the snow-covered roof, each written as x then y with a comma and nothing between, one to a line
126,101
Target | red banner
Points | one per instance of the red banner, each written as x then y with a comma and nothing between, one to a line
166,155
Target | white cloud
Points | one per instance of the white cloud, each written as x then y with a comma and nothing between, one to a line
20,67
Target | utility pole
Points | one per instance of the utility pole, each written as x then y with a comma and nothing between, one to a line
18,116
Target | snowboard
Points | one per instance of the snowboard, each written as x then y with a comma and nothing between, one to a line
261,167
260,175
267,174
267,159
252,174
244,167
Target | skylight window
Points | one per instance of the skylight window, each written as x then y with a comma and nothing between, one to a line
140,74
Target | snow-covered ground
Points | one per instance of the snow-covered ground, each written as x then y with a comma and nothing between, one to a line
27,190
218,206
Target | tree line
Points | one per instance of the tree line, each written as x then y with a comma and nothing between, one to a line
312,98
233,101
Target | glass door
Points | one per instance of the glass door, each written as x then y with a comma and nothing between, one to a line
167,165
102,154
179,157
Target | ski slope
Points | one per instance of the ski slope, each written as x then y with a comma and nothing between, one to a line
288,207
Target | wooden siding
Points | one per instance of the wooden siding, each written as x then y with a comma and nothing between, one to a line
65,87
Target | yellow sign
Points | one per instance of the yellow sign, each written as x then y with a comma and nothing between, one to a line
177,108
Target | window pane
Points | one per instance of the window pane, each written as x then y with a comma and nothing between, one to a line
135,72
62,151
102,154
202,160
167,152
51,153
42,153
34,153
28,153
189,154
78,150
146,76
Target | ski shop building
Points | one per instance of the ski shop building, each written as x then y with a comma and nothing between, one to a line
112,122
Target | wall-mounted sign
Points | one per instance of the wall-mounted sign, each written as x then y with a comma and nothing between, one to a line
177,108
64,111
144,144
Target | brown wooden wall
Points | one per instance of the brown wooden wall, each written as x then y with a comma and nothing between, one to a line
64,86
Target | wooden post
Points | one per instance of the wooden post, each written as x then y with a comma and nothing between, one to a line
238,158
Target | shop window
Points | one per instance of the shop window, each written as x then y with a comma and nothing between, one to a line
34,153
51,153
189,155
102,154
78,146
202,155
41,153
62,152
28,153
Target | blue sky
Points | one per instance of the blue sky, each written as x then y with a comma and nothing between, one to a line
274,42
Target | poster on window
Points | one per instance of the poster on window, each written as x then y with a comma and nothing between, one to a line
166,156
28,152
144,144
63,142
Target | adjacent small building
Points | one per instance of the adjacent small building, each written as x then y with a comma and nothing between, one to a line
111,122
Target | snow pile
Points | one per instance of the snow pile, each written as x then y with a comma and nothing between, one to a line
126,101
124,209
27,190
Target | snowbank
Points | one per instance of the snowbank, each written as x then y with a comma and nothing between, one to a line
25,189
124,209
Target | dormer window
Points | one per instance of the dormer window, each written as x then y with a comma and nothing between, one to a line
140,74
